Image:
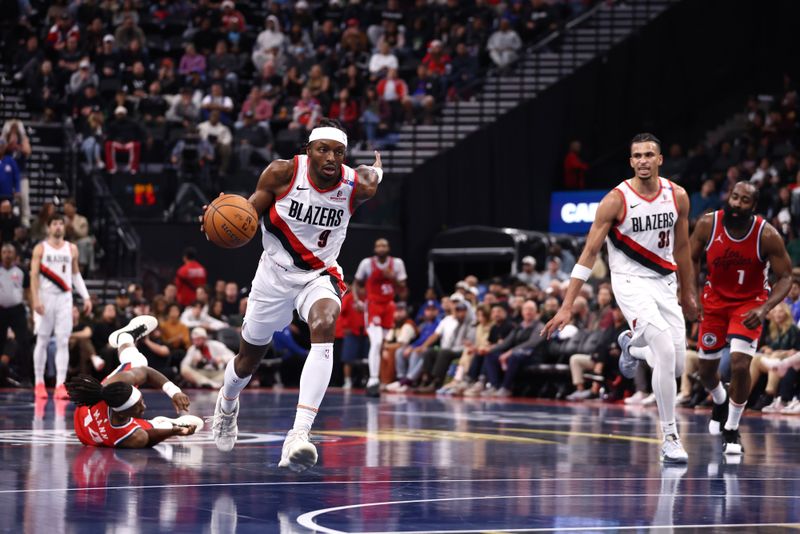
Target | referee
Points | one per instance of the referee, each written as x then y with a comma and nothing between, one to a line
12,311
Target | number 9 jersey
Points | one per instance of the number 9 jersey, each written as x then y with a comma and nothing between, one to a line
305,227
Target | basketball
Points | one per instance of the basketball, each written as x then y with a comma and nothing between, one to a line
230,221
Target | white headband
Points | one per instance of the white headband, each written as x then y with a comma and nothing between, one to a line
133,399
328,133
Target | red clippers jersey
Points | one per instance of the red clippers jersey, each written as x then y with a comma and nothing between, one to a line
736,270
379,288
93,423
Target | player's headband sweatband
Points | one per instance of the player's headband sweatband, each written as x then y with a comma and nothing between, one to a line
329,134
133,399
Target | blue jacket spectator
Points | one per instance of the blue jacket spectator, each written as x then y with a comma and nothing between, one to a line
9,174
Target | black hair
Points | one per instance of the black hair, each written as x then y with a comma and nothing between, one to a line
330,123
646,138
55,217
190,253
86,390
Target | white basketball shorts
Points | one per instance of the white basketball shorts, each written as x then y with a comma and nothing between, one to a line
57,317
276,293
646,301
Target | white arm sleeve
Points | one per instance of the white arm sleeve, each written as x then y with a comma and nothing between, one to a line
80,286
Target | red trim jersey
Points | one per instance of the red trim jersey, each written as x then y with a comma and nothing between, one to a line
736,270
55,270
304,229
93,423
641,244
380,289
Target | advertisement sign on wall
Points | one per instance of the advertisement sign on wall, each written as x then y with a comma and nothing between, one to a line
572,212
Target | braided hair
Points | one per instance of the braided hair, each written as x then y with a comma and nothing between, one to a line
86,390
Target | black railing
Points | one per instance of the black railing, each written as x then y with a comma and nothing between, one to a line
116,237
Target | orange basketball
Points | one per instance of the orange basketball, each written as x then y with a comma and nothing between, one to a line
230,221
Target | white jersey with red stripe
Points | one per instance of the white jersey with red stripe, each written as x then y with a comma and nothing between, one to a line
304,229
641,244
55,270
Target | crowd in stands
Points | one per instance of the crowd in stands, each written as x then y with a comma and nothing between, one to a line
203,86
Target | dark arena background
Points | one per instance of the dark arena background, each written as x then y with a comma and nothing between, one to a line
501,125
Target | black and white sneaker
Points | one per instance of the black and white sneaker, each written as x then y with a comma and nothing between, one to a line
731,442
373,391
138,328
627,363
719,415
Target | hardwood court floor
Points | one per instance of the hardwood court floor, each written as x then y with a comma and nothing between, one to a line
400,464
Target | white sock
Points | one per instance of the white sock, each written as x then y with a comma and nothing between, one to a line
663,363
232,387
735,411
375,334
313,383
718,394
40,358
62,359
124,339
669,428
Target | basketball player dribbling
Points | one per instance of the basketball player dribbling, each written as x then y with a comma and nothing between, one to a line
380,275
740,248
54,274
645,221
305,205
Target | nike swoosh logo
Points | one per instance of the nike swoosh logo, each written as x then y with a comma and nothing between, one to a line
634,205
301,188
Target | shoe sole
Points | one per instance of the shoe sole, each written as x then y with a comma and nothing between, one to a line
674,461
304,456
148,321
733,450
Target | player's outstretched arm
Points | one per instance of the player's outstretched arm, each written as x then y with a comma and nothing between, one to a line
368,179
683,256
147,375
142,439
608,213
774,251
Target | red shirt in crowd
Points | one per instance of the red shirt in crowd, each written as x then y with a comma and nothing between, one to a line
574,171
346,113
189,277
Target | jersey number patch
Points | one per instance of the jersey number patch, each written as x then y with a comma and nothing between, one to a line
323,238
663,239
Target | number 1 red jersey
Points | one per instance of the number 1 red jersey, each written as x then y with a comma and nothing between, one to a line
736,270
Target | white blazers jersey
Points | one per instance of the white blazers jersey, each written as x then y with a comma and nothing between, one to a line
55,271
304,229
641,243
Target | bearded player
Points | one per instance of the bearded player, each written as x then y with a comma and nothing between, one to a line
305,205
645,220
381,275
740,248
